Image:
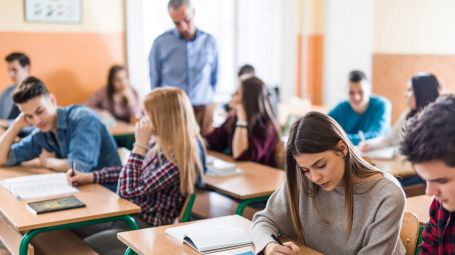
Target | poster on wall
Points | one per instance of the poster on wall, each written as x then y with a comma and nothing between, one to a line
53,11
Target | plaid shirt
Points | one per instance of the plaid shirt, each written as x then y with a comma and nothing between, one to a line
152,183
439,234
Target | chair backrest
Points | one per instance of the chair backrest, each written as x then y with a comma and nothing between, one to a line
185,213
280,154
409,232
419,239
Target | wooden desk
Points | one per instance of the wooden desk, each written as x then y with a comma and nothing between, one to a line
420,206
121,129
102,206
397,166
256,182
153,241
123,134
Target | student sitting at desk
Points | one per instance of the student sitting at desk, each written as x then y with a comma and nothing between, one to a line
422,89
333,201
157,177
363,115
118,99
429,144
252,134
64,135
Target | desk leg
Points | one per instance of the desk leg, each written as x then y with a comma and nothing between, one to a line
30,234
244,203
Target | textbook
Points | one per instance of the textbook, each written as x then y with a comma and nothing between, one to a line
218,167
39,186
206,238
53,205
384,153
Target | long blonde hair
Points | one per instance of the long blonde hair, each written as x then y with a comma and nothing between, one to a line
314,133
177,133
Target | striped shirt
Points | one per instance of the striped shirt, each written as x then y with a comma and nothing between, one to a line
439,234
152,183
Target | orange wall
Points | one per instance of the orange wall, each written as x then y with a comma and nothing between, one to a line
315,49
391,73
72,65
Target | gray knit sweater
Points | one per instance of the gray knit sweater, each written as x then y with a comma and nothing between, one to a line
376,221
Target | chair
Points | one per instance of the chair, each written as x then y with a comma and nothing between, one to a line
185,213
280,154
409,233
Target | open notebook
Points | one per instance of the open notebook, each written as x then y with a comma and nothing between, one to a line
206,238
40,186
218,167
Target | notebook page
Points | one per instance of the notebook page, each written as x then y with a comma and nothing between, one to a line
220,239
178,233
39,186
385,153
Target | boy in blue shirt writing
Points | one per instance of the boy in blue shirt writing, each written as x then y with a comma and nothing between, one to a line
363,116
64,135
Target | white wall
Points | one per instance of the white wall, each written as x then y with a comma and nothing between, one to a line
349,27
415,27
259,38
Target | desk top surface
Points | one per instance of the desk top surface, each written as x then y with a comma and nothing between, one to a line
256,180
420,206
155,241
121,128
100,203
397,166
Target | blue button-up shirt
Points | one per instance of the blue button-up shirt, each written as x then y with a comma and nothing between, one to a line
80,137
189,65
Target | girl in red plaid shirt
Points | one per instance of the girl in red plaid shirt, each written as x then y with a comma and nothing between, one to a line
163,167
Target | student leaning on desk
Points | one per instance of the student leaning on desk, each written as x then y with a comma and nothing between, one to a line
159,176
338,203
64,134
429,144
422,89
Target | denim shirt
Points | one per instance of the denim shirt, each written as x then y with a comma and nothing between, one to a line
80,137
191,65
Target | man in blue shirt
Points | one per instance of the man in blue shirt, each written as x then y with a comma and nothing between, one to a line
187,58
363,116
64,135
18,65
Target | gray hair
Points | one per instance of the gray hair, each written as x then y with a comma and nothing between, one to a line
175,4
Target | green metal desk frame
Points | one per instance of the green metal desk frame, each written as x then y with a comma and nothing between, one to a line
244,203
23,248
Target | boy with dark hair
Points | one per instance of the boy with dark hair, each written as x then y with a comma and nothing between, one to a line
363,115
429,144
18,65
64,135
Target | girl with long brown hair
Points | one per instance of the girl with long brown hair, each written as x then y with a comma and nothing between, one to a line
333,201
165,164
251,133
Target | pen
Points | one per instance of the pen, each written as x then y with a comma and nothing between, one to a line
73,169
276,239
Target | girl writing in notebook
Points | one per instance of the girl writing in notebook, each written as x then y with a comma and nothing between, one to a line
333,201
251,133
163,167
422,89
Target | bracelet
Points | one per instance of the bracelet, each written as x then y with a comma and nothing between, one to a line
241,125
140,145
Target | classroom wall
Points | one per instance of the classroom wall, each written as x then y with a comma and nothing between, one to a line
412,36
72,59
348,45
314,50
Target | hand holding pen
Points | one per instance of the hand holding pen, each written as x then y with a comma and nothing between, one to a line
278,247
